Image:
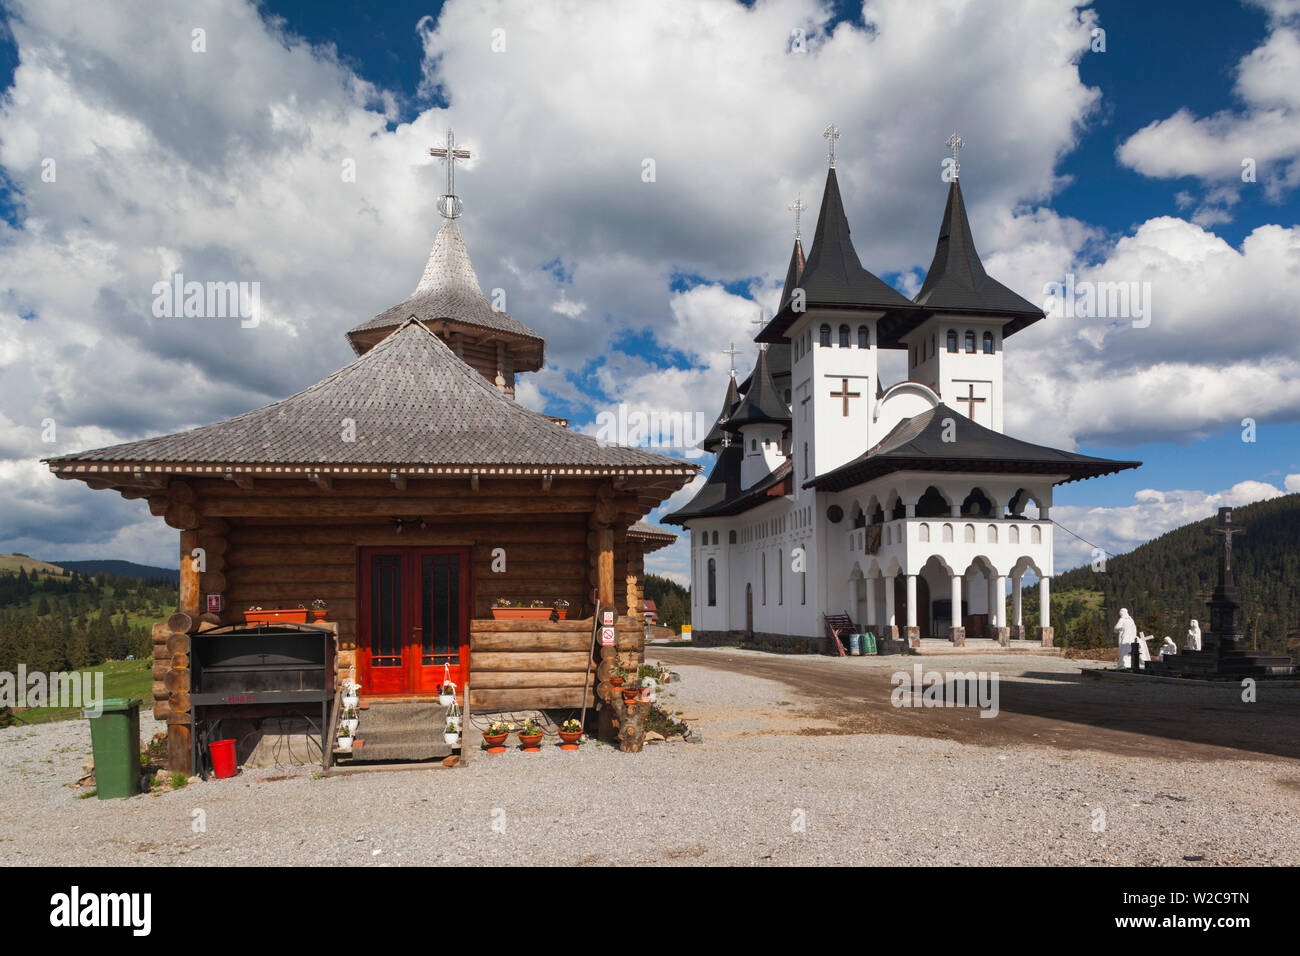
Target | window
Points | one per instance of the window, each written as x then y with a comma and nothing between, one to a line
731,537
826,336
805,459
715,537
713,583
952,340
864,337
988,343
970,341
764,556
753,444
844,336
780,576
803,587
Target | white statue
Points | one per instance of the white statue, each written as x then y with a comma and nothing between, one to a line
1193,638
1127,631
1142,645
1168,648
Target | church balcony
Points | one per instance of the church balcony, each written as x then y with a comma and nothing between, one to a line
906,544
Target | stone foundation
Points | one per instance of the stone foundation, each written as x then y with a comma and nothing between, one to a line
958,636
1002,635
1047,636
913,637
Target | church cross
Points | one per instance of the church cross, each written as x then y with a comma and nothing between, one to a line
845,394
971,401
832,134
733,352
1227,529
450,202
955,143
797,207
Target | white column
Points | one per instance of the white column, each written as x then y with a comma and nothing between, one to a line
1018,620
871,623
889,600
853,598
1044,603
911,600
956,600
1001,600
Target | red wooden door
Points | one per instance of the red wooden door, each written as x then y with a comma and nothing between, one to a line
413,619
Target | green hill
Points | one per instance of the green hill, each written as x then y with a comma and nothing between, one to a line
1167,581
127,569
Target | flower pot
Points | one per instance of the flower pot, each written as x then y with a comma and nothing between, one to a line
616,682
351,700
630,694
570,739
530,741
318,614
446,700
345,743
278,616
523,613
452,740
350,724
495,742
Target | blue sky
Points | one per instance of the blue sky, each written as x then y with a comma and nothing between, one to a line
1117,164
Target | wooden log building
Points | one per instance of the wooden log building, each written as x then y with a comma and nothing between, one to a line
409,491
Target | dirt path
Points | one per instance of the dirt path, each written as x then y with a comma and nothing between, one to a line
1042,700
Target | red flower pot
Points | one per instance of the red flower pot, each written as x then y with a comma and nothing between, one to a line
630,694
280,616
527,613
495,742
570,739
318,615
530,741
616,682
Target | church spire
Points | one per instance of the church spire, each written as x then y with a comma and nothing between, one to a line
762,404
718,437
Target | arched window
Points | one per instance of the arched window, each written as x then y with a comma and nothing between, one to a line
731,537
1015,535
844,336
780,576
925,532
969,534
764,557
715,537
826,336
713,583
864,337
970,341
988,343
952,340
993,534
1035,535
947,532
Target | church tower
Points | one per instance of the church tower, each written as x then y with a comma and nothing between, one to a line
957,350
762,422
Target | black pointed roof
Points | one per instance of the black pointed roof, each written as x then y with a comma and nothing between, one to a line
957,280
925,443
722,494
762,404
792,273
833,276
717,434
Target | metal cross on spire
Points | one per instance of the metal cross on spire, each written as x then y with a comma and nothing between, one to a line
733,352
955,143
449,203
797,207
832,134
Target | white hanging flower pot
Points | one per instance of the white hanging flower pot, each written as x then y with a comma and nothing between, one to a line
350,724
452,739
345,743
351,700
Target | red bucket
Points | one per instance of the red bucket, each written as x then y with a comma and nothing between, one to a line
223,758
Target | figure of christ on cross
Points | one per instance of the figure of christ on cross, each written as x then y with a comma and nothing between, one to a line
1227,529
971,401
845,394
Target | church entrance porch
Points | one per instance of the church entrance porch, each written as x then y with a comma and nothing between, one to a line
413,619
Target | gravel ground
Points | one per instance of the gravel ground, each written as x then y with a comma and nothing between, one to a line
769,785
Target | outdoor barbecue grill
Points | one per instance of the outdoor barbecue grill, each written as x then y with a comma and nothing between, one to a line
261,665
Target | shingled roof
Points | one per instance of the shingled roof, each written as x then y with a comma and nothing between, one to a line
957,281
717,434
412,403
722,495
924,443
651,537
449,292
833,276
762,403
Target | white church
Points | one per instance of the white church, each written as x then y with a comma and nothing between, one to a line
901,506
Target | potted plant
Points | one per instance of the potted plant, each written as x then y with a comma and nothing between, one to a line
345,738
617,676
503,609
570,733
561,607
451,733
631,691
446,694
318,607
257,615
351,695
495,736
349,719
530,735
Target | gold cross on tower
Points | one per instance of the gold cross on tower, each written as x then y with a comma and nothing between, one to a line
845,394
971,401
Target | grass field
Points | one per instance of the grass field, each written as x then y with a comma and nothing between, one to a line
121,679
13,562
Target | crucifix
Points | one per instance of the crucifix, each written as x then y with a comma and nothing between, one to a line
797,207
449,203
832,134
955,144
845,394
733,352
971,401
1227,529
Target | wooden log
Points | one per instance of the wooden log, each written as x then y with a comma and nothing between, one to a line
181,517
180,623
162,630
212,582
181,492
157,505
176,717
160,669
300,486
178,643
177,680
181,660
291,574
253,506
215,545
526,698
501,680
160,691
527,641
189,578
605,565
493,626
178,747
180,700
161,709
485,531
630,723
547,661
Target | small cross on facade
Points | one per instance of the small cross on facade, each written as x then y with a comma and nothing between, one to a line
450,203
832,134
845,394
971,401
955,143
797,207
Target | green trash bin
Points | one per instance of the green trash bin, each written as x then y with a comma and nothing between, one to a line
868,642
115,742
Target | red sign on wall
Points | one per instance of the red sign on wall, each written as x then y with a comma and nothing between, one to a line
607,636
215,604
